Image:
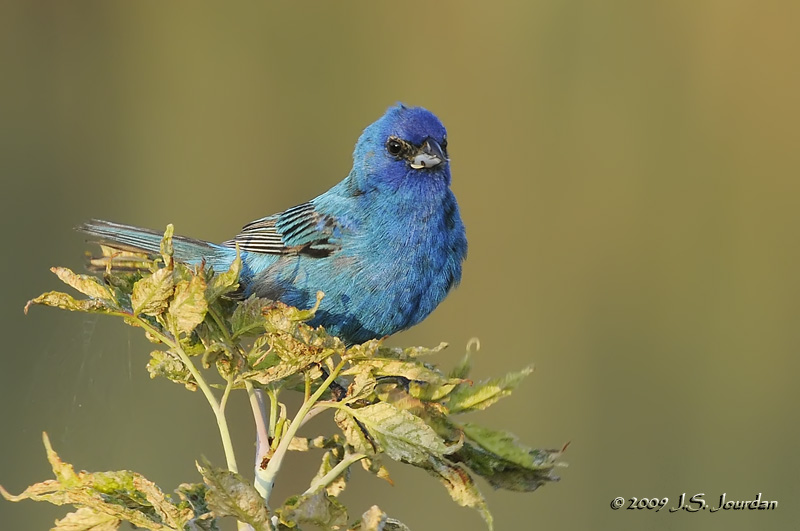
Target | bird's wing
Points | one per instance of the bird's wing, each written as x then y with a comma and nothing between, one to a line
298,230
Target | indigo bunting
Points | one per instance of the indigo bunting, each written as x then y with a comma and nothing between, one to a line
386,244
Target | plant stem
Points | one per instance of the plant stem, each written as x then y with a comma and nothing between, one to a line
273,410
333,473
219,412
317,409
265,479
218,319
258,406
257,411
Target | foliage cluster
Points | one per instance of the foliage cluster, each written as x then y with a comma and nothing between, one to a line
389,404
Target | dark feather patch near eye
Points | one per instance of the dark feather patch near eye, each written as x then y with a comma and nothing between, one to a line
396,147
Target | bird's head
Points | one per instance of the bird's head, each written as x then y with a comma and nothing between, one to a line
405,144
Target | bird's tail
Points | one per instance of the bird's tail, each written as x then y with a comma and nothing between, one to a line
148,242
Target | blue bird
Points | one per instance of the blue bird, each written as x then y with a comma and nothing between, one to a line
386,244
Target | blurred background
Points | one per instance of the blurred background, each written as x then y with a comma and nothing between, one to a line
627,172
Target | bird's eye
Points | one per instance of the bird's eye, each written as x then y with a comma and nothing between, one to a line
394,147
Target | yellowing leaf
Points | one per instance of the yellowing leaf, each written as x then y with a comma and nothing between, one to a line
86,284
151,294
471,397
188,306
85,519
122,495
353,433
227,281
165,364
57,299
401,435
167,248
409,370
459,485
318,509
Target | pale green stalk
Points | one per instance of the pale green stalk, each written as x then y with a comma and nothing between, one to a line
333,473
265,479
219,411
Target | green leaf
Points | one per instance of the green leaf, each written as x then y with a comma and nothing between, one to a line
85,519
151,294
506,463
57,299
188,306
318,509
506,445
467,397
86,284
229,494
464,366
398,433
248,316
502,474
459,485
195,495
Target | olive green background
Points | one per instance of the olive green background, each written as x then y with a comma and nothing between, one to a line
627,172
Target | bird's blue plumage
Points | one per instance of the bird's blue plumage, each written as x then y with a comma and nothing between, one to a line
385,244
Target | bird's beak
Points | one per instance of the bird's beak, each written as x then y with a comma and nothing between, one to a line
428,156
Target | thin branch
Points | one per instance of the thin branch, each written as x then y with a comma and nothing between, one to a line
333,473
219,413
258,406
265,479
